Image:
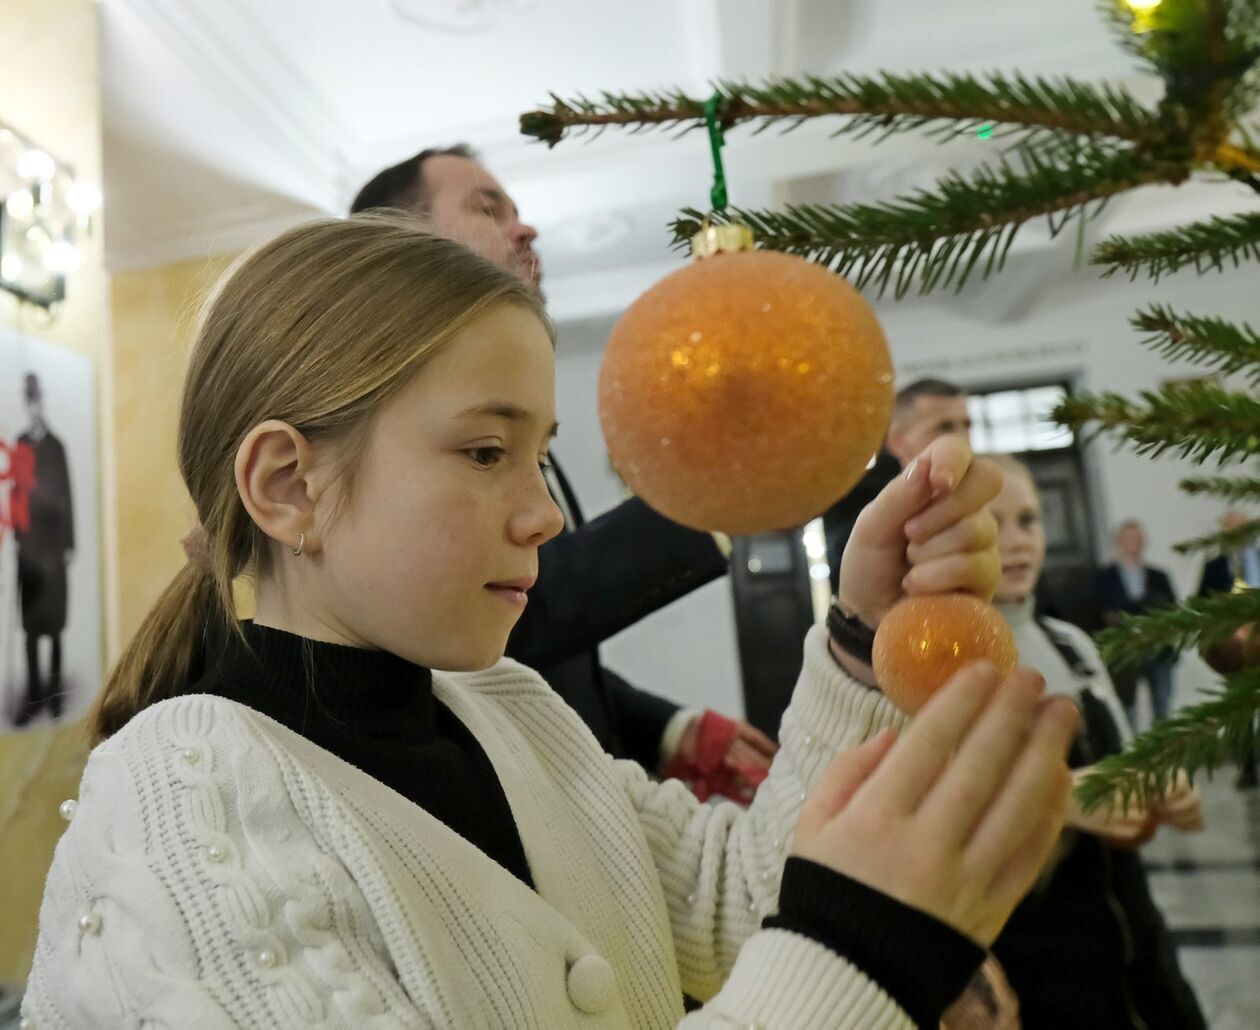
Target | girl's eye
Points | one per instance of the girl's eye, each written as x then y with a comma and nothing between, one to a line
544,463
1028,521
486,457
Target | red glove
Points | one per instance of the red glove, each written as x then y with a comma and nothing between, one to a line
717,755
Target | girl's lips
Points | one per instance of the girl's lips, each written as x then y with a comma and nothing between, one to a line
512,595
514,591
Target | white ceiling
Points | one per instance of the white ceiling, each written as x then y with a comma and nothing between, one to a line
225,121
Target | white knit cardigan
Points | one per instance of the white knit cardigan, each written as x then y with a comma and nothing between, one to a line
222,871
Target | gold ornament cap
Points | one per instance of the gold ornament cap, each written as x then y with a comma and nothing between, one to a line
722,239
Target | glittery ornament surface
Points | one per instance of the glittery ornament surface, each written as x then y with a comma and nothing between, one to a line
923,641
746,392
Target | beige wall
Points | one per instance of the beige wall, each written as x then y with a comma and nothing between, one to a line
49,92
152,314
137,328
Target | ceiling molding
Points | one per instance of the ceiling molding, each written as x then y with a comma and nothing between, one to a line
241,61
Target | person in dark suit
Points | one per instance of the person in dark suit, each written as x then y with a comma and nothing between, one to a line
923,411
1128,586
45,545
1221,575
598,577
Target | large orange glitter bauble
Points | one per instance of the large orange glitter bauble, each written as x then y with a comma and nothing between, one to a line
746,392
923,641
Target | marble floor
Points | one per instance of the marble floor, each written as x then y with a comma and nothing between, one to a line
1208,887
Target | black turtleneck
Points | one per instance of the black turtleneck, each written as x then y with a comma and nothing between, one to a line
377,712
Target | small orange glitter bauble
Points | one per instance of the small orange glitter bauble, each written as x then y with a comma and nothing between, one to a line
746,392
923,641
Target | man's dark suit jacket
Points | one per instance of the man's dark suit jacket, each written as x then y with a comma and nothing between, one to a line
1112,596
1218,576
595,579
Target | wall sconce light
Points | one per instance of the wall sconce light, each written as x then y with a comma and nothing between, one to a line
45,213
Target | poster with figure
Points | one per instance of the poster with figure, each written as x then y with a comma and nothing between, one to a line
50,594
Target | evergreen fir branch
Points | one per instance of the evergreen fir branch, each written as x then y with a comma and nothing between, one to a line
1198,420
1226,488
1202,245
1120,19
1190,623
940,237
1213,342
1200,737
1242,31
947,105
634,110
1190,43
1224,542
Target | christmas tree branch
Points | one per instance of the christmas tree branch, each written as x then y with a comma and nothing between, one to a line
1203,245
1197,620
1201,341
1127,30
1226,488
1197,419
948,104
1214,127
1224,542
939,237
1230,157
1199,737
1242,53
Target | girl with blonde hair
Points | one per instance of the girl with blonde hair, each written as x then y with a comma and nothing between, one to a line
1087,947
299,821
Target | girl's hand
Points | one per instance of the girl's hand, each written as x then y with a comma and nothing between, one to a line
1181,806
1116,825
958,816
928,532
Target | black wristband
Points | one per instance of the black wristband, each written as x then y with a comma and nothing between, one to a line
921,962
850,634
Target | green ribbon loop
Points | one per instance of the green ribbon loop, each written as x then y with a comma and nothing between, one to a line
717,140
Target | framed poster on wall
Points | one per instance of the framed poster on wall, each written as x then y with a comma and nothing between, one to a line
50,580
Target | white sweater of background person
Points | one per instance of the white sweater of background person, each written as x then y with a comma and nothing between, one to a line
1037,651
222,871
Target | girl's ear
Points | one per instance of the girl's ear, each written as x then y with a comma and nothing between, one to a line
274,476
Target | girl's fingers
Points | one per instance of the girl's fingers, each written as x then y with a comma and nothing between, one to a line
948,458
1016,876
973,533
932,737
1033,789
976,573
962,795
981,483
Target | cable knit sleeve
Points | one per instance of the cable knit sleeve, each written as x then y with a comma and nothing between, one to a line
721,869
187,892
